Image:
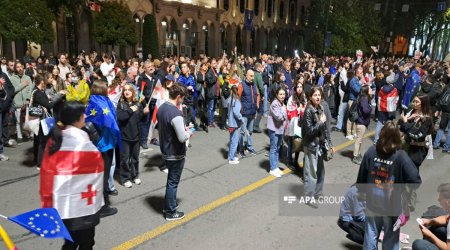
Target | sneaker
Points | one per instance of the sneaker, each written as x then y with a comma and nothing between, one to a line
38,168
216,113
257,130
3,157
242,155
436,147
137,181
11,143
349,137
107,210
113,192
251,151
175,216
335,129
313,204
164,210
233,162
275,173
165,170
144,145
155,142
357,160
128,184
446,151
279,171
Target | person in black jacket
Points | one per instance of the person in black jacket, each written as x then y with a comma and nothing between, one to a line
201,89
383,167
40,99
6,97
443,109
148,80
212,91
129,113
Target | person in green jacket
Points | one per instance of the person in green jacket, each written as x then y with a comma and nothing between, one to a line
260,85
23,86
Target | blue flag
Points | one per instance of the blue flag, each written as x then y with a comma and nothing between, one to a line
44,222
101,112
248,20
411,87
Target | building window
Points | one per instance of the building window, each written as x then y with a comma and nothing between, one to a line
242,5
269,8
218,4
226,4
292,11
256,7
281,13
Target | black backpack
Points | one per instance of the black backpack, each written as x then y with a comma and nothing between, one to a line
353,113
445,98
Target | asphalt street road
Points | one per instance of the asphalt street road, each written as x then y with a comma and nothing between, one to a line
227,206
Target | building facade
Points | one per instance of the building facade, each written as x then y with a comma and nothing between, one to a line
189,28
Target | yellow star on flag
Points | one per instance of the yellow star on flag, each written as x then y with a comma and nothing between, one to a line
93,112
105,111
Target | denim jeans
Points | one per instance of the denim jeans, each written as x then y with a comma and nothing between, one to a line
378,128
210,103
423,245
313,172
266,102
18,123
234,141
341,115
440,134
173,178
373,227
246,128
275,146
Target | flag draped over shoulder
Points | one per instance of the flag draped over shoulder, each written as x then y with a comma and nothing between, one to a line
72,178
44,222
101,112
411,88
387,102
158,94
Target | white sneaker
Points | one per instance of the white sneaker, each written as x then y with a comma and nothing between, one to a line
166,170
3,157
279,171
216,113
128,184
275,173
349,137
233,162
355,135
137,181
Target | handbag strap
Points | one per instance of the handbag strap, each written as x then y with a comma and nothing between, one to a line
32,97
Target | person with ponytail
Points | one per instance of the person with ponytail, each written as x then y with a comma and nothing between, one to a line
67,149
234,123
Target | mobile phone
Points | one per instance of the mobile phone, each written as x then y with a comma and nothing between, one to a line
419,221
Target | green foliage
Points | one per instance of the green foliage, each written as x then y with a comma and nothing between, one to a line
114,25
150,44
353,24
28,20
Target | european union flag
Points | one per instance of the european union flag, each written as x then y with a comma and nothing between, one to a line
101,112
44,222
411,87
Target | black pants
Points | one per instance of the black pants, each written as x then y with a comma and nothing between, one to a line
4,120
39,143
129,164
203,112
224,116
83,240
107,161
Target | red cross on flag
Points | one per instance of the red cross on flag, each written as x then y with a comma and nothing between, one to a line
72,178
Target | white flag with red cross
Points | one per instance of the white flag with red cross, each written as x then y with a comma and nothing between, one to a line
72,178
158,94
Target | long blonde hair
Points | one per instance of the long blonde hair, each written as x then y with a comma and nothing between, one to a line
133,91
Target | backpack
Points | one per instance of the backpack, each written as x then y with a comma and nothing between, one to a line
445,98
353,113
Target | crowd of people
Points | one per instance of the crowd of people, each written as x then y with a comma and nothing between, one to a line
305,100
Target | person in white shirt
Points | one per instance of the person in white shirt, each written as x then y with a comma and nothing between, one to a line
63,69
107,69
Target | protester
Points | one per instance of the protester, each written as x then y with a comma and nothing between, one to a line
173,137
234,123
276,124
23,87
364,110
295,109
385,163
69,150
249,100
129,112
315,135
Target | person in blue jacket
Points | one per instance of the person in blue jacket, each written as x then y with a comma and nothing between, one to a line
235,121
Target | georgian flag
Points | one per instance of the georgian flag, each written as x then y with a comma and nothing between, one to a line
72,178
158,94
387,102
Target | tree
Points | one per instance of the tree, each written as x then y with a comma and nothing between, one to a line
28,20
114,25
150,44
349,23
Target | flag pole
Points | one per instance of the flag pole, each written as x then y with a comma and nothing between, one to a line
4,217
8,242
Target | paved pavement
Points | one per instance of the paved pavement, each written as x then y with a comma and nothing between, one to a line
227,206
